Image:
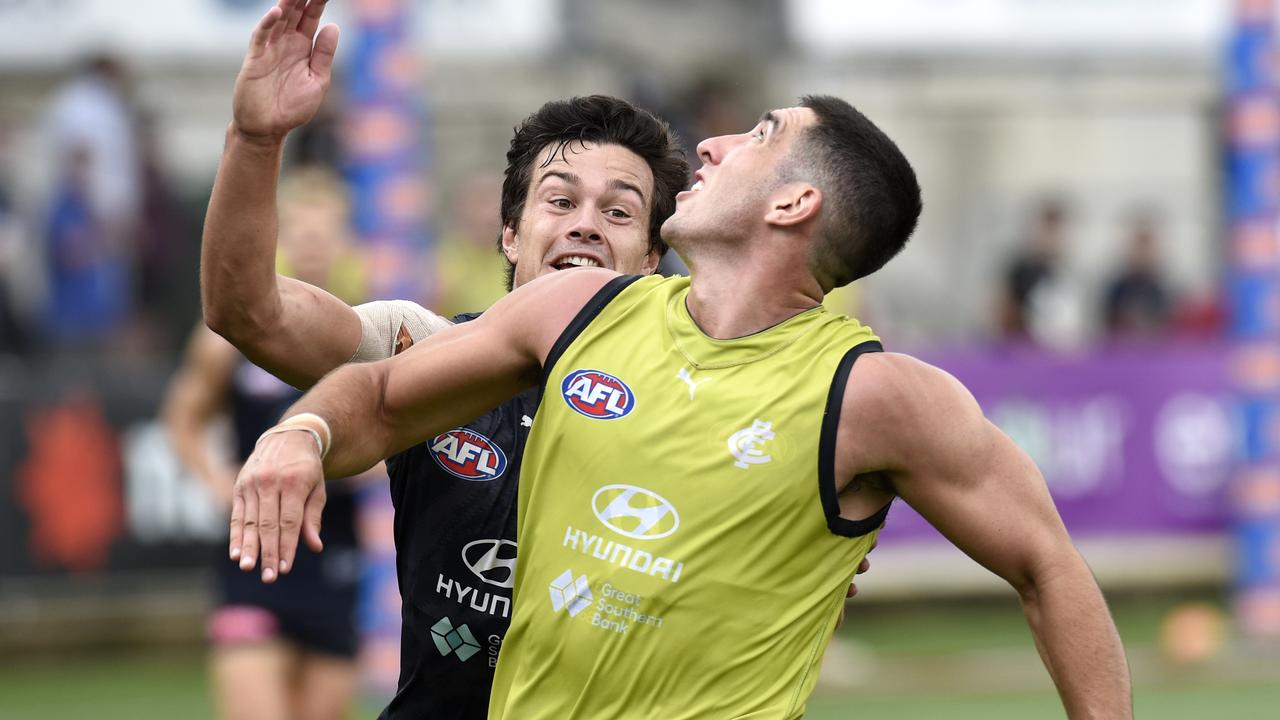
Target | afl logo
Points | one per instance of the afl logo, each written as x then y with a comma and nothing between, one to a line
635,512
468,455
597,395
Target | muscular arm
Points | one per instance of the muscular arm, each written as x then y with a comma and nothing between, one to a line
377,409
195,396
296,331
985,495
292,329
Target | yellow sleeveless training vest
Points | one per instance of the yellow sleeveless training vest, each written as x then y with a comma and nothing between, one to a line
678,555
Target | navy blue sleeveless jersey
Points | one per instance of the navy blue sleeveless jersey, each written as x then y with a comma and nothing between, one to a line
314,603
455,502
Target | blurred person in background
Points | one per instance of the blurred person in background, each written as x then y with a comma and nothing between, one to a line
161,243
88,303
466,257
1137,302
95,111
94,128
286,650
811,198
14,243
1039,302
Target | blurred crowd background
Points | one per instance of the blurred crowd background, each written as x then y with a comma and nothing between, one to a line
1092,236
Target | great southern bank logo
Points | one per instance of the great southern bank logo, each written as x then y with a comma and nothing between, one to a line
570,593
597,395
468,455
635,512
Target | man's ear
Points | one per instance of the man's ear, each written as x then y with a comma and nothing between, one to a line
651,262
510,244
793,204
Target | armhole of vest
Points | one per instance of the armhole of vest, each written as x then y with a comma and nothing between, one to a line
827,451
584,317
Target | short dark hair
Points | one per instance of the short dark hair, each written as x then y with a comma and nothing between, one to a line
871,200
602,120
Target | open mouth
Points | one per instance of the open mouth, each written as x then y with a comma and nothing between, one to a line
573,261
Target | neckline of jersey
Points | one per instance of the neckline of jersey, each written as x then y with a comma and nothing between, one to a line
692,343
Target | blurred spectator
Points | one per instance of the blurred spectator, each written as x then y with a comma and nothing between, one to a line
1039,301
94,113
13,333
1137,302
93,216
88,276
315,241
469,268
160,241
303,628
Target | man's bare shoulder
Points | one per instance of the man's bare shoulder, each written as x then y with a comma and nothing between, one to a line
895,405
536,313
895,383
554,294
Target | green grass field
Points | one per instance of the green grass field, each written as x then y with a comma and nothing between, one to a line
960,661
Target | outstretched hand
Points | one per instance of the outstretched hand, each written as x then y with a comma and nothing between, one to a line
278,495
286,71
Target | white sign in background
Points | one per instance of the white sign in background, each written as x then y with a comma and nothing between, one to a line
1113,27
36,33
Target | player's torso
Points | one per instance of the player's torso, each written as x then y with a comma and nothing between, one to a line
455,527
676,560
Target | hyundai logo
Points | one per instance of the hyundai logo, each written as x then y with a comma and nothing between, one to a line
635,512
493,561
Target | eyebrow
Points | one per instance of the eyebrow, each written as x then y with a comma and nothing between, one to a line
617,184
769,118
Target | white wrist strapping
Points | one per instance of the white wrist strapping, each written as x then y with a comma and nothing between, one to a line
309,422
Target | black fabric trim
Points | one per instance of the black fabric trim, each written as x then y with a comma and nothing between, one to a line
584,317
827,450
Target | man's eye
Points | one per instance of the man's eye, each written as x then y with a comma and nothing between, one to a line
562,203
619,214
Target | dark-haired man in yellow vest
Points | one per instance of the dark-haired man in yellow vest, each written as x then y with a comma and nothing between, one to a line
711,457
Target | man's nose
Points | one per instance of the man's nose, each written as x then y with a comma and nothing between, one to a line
712,150
586,225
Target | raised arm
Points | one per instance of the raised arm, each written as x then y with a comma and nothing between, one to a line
360,414
294,330
967,478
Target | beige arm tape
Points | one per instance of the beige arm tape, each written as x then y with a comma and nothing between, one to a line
380,323
309,422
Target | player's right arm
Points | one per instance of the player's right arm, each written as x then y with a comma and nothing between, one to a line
295,330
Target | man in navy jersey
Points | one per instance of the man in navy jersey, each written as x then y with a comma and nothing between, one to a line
589,182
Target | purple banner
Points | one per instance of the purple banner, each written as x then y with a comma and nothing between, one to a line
1133,441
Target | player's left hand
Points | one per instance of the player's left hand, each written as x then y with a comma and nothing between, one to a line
279,494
